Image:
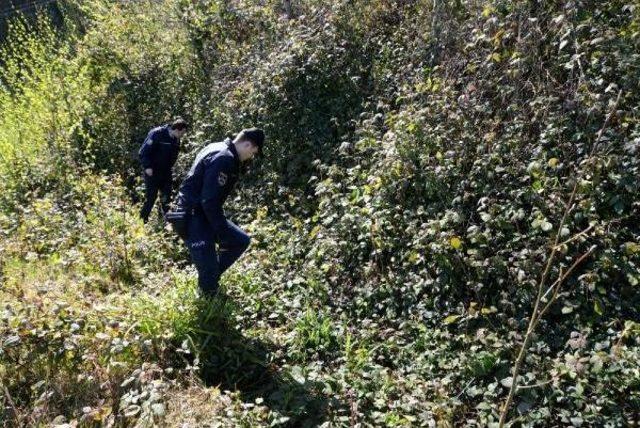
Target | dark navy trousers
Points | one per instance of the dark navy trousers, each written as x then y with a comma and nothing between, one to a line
212,262
152,185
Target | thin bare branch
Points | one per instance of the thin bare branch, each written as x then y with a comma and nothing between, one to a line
537,313
576,236
560,280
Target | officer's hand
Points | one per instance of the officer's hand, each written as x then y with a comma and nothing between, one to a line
149,171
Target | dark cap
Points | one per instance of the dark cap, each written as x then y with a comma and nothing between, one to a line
255,135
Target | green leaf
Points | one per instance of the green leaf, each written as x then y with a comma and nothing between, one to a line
563,44
507,381
597,306
537,185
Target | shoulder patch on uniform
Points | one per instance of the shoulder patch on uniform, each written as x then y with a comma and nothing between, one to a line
222,178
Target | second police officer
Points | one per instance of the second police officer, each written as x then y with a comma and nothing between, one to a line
158,154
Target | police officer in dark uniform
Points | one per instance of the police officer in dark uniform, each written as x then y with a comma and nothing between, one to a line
211,178
158,154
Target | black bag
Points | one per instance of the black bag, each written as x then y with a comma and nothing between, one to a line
179,220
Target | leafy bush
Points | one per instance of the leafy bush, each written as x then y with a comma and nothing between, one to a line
420,157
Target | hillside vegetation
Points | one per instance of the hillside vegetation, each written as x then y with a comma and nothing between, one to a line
444,182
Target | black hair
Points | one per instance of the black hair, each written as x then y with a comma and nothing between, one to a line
179,124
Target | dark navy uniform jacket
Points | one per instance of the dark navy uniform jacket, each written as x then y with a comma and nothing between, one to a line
159,151
211,178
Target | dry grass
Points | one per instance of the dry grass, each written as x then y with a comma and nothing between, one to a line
196,406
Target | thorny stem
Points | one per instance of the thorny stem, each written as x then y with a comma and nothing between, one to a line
537,312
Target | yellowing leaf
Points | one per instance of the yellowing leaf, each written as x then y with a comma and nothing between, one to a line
377,183
314,232
456,242
553,162
473,308
451,319
631,248
261,213
490,310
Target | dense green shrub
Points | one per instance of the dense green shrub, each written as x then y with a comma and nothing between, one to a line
420,156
